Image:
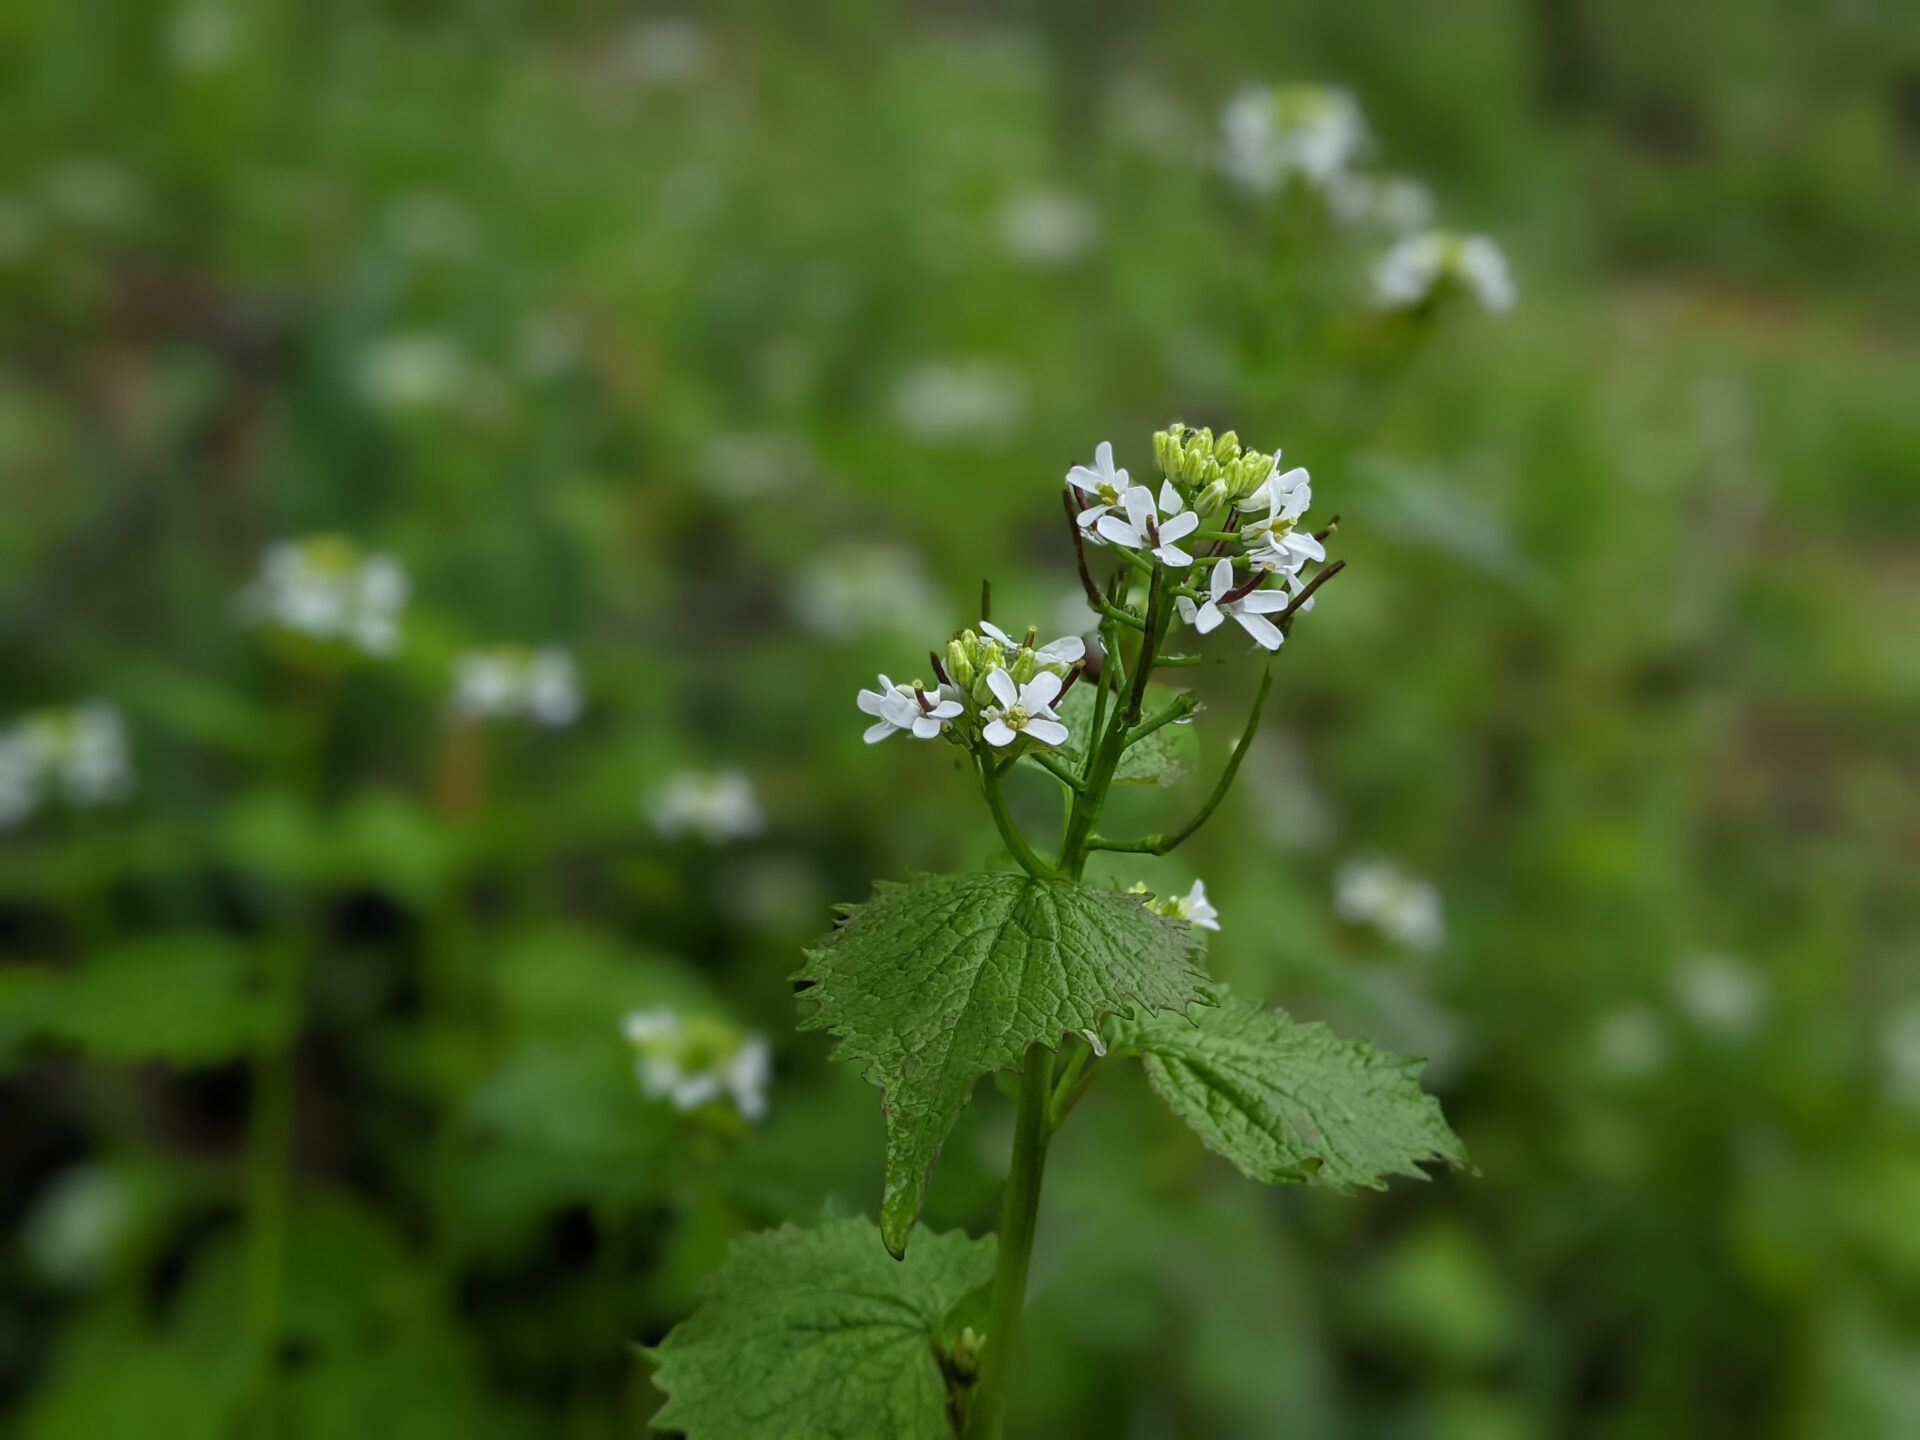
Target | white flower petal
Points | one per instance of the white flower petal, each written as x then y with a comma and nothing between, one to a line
1179,527
1263,602
1265,633
1170,501
1173,555
1064,651
998,732
1221,580
925,727
879,731
1039,692
1139,505
1048,732
1210,618
1002,686
1120,532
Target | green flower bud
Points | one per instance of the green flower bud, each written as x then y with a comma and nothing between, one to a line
1025,666
959,665
1211,498
1166,448
1226,449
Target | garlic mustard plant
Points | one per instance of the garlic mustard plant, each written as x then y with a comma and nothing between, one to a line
1030,968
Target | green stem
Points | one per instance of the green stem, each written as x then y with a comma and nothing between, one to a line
1110,744
1056,767
1161,844
1178,709
1016,843
1019,1214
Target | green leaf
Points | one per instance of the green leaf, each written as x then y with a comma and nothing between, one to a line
816,1335
187,999
1160,759
1290,1102
935,983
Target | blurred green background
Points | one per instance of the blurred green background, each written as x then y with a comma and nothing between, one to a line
729,348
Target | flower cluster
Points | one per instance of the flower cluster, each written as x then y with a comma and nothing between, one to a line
1314,137
78,755
1209,476
992,690
326,589
717,807
507,682
696,1060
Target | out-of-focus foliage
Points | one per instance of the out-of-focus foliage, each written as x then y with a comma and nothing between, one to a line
728,349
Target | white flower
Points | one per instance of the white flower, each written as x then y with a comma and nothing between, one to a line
1401,906
1250,610
1046,227
1275,543
717,807
1193,907
965,402
1150,527
78,1225
507,683
1023,710
1104,485
909,708
692,1062
1414,271
1724,996
1270,135
326,589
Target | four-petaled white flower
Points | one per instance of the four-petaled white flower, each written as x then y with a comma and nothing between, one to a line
1250,610
694,1061
908,707
1102,484
1275,543
1023,709
1151,527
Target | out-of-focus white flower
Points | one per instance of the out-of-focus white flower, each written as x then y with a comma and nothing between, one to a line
717,807
1417,269
961,402
202,36
1402,907
695,1060
1047,227
508,682
78,1225
1023,710
1900,1049
1629,1043
1104,487
1725,997
859,588
1153,527
1392,203
1250,610
1270,135
325,588
78,755
1277,543
414,371
665,51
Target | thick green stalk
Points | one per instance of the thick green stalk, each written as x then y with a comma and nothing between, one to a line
1019,1215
